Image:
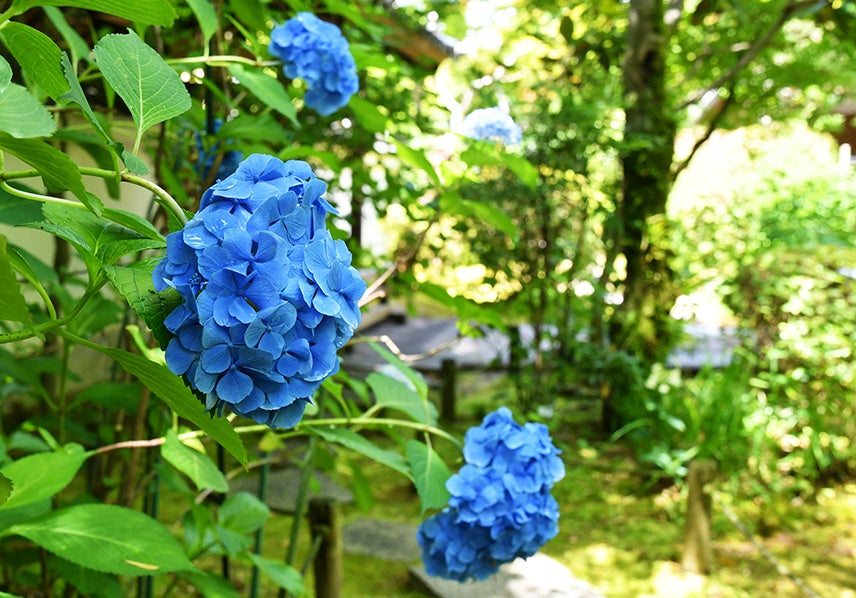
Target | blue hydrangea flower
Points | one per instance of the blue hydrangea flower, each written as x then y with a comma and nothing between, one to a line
316,51
268,296
491,124
500,507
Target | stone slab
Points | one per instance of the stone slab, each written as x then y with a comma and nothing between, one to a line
539,576
388,540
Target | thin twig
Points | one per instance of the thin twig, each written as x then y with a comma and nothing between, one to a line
711,127
408,357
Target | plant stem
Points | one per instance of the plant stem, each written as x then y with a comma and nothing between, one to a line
222,61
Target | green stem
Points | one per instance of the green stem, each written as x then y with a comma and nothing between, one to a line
222,61
300,506
162,196
54,325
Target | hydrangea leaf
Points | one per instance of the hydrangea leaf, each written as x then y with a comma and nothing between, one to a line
134,283
76,95
94,584
414,377
39,476
179,398
38,55
395,394
453,203
417,159
207,17
210,585
6,487
144,12
152,91
285,576
429,475
21,115
267,89
368,115
12,305
243,513
357,443
107,538
198,467
58,171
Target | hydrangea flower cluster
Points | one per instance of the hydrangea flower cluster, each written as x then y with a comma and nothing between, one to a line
316,51
205,161
491,124
500,506
268,295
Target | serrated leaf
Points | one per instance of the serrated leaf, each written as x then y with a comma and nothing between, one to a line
395,394
179,398
10,517
6,486
355,442
13,308
40,476
21,115
266,88
429,475
368,115
198,467
38,56
152,91
58,171
106,241
285,576
107,538
207,17
416,158
144,12
134,283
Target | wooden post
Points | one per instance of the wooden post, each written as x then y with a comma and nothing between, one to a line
698,555
515,350
325,527
448,374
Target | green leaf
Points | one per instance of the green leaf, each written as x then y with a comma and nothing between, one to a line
95,237
12,305
368,115
250,127
10,517
454,204
285,576
412,375
523,168
6,486
267,89
107,538
21,115
38,56
429,475
416,158
134,283
179,398
136,223
144,12
75,43
355,442
395,394
483,154
207,17
361,487
243,513
93,584
58,171
16,210
210,585
152,91
197,466
40,476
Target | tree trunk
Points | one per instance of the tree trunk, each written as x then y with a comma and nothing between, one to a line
649,135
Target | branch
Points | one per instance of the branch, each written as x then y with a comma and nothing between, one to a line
792,7
711,127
